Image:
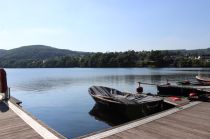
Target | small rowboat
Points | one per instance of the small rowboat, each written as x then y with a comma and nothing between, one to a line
203,80
128,104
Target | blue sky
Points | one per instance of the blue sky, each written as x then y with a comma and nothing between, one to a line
105,25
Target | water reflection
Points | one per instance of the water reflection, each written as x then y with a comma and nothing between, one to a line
112,118
62,94
127,83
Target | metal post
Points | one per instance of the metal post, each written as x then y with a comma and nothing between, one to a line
7,94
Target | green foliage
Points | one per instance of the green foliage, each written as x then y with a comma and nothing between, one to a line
35,52
47,57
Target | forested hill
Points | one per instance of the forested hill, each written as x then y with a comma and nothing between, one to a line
36,52
40,56
2,52
191,52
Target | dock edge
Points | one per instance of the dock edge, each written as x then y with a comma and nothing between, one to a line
42,129
136,123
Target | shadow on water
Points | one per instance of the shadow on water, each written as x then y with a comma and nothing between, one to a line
3,107
113,118
108,116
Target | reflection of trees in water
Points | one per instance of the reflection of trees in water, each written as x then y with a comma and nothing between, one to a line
156,79
129,82
125,82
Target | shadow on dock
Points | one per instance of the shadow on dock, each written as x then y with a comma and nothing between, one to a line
3,107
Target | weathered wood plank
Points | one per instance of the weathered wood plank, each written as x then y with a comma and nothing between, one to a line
193,122
13,127
15,123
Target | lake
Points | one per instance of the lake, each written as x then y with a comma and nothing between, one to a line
59,97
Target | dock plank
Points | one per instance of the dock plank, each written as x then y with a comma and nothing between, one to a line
13,127
193,122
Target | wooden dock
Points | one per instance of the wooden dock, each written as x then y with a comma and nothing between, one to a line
189,121
15,123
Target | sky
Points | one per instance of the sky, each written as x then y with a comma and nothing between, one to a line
105,25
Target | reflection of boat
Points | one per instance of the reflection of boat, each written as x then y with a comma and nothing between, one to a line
128,104
108,116
203,80
114,118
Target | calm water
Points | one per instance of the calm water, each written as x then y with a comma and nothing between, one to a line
59,97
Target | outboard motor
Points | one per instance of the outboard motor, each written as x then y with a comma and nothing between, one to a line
3,83
139,89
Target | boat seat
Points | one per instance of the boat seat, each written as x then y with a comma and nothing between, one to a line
103,91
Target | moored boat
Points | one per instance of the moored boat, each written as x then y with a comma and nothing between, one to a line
128,104
183,90
174,90
203,80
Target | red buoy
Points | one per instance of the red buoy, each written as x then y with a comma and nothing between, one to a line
192,94
186,82
3,81
175,98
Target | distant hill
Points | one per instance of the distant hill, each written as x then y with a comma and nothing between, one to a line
2,52
41,56
193,52
41,52
36,52
200,51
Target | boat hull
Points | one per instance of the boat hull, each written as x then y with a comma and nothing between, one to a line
203,81
169,90
131,111
176,90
